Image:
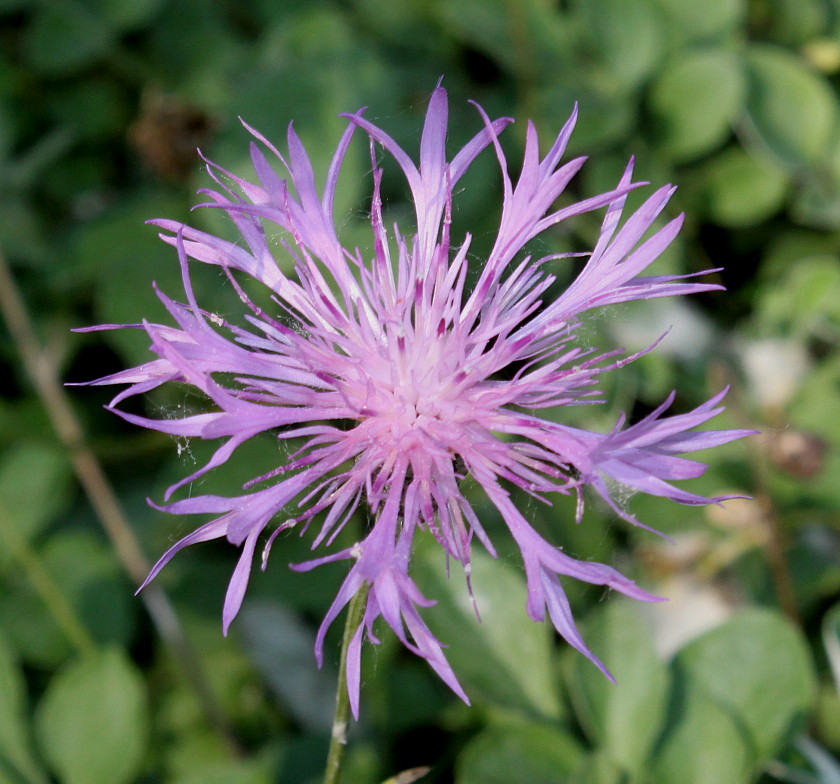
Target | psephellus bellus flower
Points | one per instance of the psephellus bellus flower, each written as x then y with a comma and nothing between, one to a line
400,379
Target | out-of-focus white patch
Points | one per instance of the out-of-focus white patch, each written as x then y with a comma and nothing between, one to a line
774,368
642,323
693,607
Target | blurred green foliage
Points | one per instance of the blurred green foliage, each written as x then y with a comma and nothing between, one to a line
102,103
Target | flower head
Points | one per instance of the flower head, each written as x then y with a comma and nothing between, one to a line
400,379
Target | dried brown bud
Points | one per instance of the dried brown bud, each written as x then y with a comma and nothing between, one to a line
166,134
797,453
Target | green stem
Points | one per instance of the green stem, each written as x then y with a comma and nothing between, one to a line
42,581
338,740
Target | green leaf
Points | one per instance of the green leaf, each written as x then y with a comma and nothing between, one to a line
128,16
694,101
598,768
817,200
623,718
15,746
523,36
85,569
34,484
796,22
791,109
505,659
92,723
627,37
30,627
518,752
757,667
702,745
805,298
282,647
710,20
740,189
604,119
64,36
246,771
816,408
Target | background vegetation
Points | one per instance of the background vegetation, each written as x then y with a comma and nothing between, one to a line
102,103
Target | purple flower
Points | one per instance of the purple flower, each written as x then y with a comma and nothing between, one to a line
400,379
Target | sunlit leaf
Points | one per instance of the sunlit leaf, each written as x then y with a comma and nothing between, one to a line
505,658
694,99
741,189
711,20
791,109
624,718
518,752
757,668
626,35
92,721
703,744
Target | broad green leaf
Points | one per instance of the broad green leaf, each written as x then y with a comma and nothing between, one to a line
710,20
518,752
34,486
247,771
71,592
694,101
92,722
623,718
504,659
797,22
791,108
85,569
757,667
30,627
703,744
65,36
528,34
598,768
827,716
627,37
741,189
804,299
282,647
124,16
15,746
816,202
